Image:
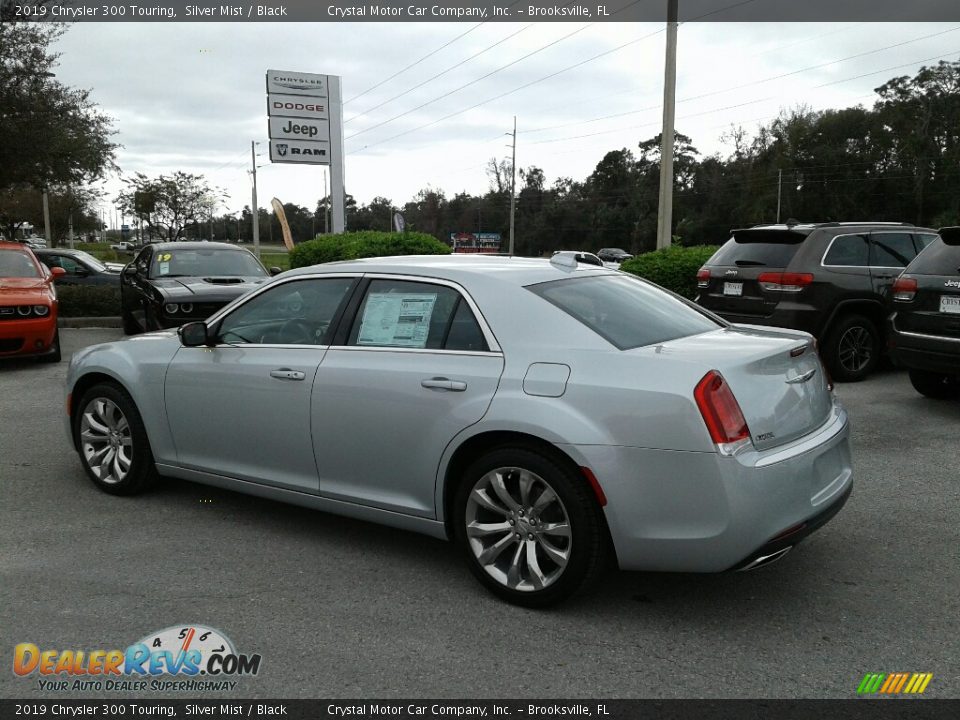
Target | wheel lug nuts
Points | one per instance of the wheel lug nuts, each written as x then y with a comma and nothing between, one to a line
530,537
510,521
517,535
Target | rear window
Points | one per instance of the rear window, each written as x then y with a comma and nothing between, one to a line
937,259
625,311
759,248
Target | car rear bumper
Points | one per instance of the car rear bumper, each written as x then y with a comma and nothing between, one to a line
788,314
920,351
20,338
702,512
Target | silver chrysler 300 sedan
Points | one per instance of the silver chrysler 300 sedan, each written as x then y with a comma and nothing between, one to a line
544,415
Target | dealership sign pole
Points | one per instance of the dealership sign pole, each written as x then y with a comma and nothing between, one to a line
306,127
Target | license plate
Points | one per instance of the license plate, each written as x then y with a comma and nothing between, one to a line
950,304
730,288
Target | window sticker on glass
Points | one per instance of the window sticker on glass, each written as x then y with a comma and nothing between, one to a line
164,268
395,320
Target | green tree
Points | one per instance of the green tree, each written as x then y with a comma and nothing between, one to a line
168,204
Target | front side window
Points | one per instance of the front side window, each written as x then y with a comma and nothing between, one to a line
625,311
293,313
848,251
415,315
891,250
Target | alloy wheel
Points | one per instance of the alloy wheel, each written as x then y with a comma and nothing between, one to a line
518,529
855,349
106,440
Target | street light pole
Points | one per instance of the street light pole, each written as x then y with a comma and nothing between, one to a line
46,219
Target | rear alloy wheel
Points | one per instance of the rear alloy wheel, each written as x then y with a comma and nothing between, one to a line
112,441
853,349
530,528
935,385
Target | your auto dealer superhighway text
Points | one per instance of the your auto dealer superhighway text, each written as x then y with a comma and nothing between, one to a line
461,710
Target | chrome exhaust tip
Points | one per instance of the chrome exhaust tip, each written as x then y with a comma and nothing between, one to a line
766,559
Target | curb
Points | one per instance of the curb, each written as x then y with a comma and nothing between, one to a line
90,322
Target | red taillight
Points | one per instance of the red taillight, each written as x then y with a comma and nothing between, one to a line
904,289
784,281
703,278
720,410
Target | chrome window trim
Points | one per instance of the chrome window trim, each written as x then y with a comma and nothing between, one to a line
488,335
826,252
419,351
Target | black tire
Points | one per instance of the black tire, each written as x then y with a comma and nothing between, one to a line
585,547
935,385
54,354
130,326
141,472
852,349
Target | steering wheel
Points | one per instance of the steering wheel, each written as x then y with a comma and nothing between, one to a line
297,332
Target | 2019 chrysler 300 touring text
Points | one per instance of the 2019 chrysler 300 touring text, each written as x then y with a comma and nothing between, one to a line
545,415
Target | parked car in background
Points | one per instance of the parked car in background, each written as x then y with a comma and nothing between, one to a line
533,411
169,284
829,279
80,268
580,256
123,246
925,322
613,255
28,305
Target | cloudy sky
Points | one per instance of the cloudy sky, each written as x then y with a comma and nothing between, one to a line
191,96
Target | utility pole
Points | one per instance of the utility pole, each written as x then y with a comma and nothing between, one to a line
46,220
255,210
779,191
513,183
665,215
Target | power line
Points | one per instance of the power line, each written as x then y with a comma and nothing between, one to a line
413,64
439,74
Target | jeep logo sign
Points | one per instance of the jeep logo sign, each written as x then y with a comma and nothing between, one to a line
285,128
300,151
297,107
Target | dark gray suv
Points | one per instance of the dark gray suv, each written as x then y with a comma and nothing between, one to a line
830,279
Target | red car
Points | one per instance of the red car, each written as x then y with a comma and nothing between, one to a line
28,305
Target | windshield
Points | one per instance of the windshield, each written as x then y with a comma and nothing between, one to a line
17,264
625,311
205,262
91,261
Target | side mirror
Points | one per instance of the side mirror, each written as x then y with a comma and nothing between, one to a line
81,271
57,272
194,334
129,271
275,270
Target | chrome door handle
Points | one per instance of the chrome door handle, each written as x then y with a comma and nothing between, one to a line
442,383
287,374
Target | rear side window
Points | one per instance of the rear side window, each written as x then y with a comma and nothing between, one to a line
923,239
891,249
938,259
848,251
625,311
759,248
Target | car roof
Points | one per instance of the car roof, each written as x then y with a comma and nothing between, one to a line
844,225
465,269
7,245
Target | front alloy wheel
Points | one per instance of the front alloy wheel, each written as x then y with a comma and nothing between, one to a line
112,441
529,526
106,441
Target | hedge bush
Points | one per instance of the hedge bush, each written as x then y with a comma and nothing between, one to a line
89,300
364,244
674,268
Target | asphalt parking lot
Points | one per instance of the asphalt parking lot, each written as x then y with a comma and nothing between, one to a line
341,608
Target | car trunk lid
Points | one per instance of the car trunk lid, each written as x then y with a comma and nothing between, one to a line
775,375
